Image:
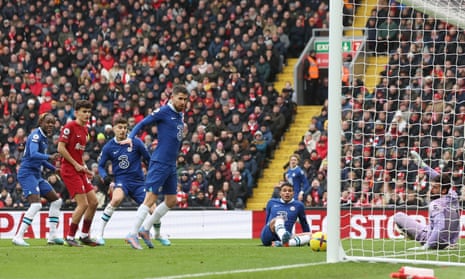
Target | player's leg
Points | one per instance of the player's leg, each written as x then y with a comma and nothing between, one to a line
169,202
54,211
89,217
75,187
35,206
141,214
267,236
277,226
137,193
81,207
410,226
301,239
29,184
117,197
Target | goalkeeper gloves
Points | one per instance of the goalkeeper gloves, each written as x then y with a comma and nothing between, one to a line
418,161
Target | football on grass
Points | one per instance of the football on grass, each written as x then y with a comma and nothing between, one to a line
318,242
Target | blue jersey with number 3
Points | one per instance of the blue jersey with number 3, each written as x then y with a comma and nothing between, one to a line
125,160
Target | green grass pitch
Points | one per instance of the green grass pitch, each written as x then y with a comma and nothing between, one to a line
218,258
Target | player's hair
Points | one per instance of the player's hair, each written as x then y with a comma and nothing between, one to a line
178,89
444,180
82,104
43,116
120,120
296,156
286,184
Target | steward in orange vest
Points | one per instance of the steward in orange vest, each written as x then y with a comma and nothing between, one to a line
312,80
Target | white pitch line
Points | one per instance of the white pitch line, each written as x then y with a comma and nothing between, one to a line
237,271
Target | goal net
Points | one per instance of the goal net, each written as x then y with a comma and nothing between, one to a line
410,96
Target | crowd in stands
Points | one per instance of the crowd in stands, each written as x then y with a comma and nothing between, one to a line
417,105
127,55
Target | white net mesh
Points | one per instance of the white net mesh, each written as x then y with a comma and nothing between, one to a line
407,94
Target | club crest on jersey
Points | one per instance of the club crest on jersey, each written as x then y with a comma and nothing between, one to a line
79,146
129,149
292,208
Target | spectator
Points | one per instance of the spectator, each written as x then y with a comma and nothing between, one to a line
387,35
192,194
181,198
238,187
17,196
220,200
210,194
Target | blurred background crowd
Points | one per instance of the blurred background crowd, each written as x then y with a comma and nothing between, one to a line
126,56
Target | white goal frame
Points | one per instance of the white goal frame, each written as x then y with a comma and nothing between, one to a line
335,250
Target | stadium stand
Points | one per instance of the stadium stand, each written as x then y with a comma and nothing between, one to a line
126,58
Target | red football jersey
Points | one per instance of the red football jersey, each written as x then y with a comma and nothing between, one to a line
75,138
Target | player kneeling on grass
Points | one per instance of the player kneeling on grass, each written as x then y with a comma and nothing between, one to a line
281,216
128,178
444,214
34,186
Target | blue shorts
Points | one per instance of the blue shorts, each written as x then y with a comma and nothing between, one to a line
33,184
267,236
161,179
133,189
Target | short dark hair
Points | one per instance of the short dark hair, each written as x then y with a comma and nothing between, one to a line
120,120
286,184
180,90
444,180
82,104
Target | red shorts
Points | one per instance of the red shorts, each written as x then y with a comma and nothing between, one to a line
76,182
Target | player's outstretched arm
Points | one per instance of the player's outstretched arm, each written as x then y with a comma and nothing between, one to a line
417,159
419,162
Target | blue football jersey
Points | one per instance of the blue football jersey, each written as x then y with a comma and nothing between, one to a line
125,160
170,125
35,152
298,180
291,211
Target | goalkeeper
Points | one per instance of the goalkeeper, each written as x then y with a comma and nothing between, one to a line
444,214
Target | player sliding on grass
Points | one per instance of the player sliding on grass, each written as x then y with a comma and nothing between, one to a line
34,186
281,215
444,214
128,175
161,176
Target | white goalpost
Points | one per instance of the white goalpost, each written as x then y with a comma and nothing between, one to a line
405,94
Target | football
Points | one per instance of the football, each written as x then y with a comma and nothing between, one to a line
318,242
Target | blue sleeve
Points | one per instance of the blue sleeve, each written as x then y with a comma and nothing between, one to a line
303,219
268,212
48,165
34,151
103,158
306,185
149,119
143,150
